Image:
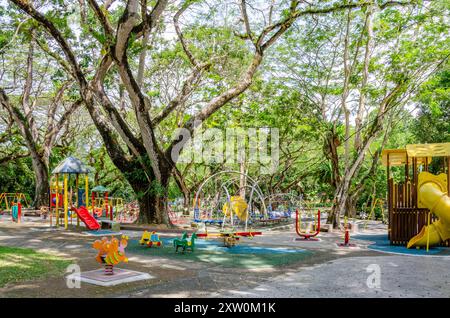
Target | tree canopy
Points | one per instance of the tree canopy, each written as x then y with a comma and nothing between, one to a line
121,84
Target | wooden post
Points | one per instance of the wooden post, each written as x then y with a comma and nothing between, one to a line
407,169
388,166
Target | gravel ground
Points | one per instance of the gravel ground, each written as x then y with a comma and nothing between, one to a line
400,276
328,271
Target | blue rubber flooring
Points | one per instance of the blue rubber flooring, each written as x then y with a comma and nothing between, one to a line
381,243
240,248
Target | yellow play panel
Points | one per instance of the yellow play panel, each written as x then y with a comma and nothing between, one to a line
431,150
397,157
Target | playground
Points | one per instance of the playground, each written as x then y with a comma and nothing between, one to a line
272,265
232,244
225,149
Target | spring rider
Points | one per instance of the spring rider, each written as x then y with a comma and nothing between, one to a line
150,239
111,252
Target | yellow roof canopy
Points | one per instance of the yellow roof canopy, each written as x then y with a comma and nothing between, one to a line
397,157
431,150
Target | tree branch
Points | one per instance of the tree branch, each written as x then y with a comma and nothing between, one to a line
180,35
182,95
102,18
243,7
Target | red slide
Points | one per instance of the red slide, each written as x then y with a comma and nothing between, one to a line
87,218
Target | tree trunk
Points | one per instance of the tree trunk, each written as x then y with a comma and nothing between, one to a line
181,183
339,204
350,206
42,186
152,199
149,208
330,150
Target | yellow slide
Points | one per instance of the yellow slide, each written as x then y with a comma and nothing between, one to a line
432,194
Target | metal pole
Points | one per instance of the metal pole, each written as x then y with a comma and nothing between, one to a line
66,202
57,200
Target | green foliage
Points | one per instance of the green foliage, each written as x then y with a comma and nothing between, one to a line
298,89
17,176
433,124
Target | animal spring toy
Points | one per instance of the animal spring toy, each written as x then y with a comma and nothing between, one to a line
111,252
184,243
150,239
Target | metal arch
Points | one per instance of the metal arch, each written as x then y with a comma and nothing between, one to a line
254,187
225,172
234,181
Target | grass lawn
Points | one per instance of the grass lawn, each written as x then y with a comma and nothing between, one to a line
23,264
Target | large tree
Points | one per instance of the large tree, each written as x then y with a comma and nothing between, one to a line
142,154
358,68
39,107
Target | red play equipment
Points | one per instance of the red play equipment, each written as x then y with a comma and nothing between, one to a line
100,203
306,236
53,200
346,236
87,218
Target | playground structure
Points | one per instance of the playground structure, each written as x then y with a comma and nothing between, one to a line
231,202
71,169
102,204
7,200
419,205
305,234
111,252
282,205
